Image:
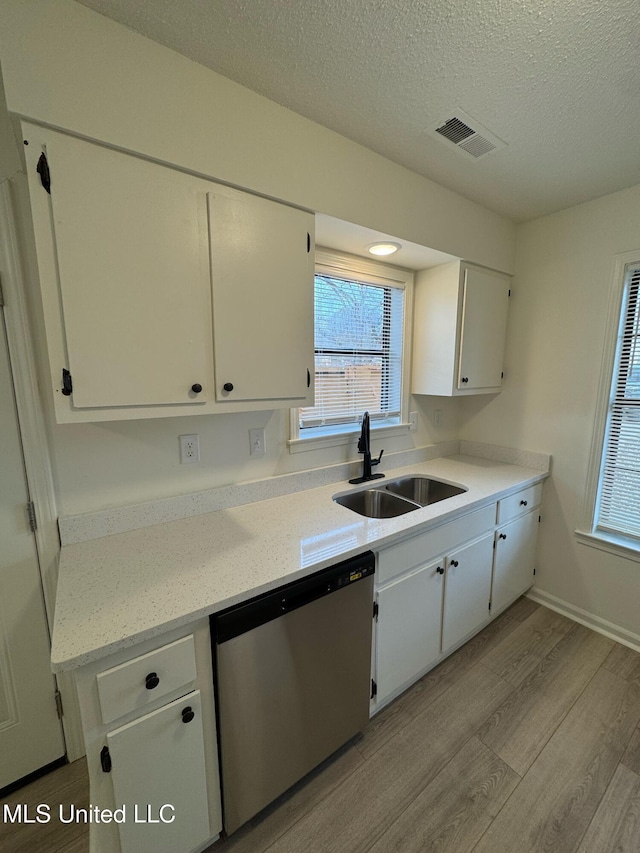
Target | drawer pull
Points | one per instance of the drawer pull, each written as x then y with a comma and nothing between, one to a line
151,681
523,503
440,570
502,536
454,563
187,714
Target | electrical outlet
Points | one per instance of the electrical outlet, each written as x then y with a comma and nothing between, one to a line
437,417
189,449
413,421
257,442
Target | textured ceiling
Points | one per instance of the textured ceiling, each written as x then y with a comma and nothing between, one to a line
558,80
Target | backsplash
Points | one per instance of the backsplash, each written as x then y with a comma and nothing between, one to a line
93,525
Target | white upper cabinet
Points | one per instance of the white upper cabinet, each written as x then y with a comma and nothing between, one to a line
262,261
460,325
143,267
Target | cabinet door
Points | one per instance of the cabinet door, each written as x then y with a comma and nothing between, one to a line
158,760
131,247
514,560
408,628
467,591
262,266
485,304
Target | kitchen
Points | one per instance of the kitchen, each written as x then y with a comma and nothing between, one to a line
563,260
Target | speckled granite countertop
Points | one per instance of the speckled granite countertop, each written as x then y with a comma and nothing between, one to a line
118,590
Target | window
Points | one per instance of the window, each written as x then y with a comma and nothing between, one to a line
618,499
360,322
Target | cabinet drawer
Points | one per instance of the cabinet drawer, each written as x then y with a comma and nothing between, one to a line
145,679
419,549
518,504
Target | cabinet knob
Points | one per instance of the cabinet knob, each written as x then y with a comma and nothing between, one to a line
228,386
523,503
465,379
197,388
502,536
440,570
187,714
151,681
453,563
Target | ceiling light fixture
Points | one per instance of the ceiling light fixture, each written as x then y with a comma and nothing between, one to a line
383,248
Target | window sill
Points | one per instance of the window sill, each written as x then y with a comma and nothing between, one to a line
617,545
300,445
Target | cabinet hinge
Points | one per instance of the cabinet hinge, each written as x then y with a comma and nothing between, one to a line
59,708
67,383
539,519
31,512
374,689
489,606
43,170
534,571
494,544
308,242
509,291
502,375
105,759
1,293
376,610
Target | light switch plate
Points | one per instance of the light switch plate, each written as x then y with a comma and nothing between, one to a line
257,442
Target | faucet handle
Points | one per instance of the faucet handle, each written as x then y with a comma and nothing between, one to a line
377,461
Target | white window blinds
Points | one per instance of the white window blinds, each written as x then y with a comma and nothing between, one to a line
358,352
618,505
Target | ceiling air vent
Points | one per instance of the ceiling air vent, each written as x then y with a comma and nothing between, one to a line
467,134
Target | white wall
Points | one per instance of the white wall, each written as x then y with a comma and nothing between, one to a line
70,68
564,265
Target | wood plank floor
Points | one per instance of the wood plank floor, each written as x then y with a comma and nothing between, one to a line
526,739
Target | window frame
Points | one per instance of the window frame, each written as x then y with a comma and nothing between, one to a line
589,533
341,265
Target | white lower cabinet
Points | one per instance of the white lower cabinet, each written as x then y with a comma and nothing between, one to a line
467,591
408,629
159,777
148,717
514,560
436,589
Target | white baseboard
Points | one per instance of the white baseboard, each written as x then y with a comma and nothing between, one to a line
596,623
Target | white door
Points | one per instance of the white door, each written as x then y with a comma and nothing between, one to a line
514,558
408,628
467,591
262,264
484,329
159,776
30,732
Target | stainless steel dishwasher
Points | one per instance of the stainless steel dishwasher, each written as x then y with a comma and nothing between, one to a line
293,682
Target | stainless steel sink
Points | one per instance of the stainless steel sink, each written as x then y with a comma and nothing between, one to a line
376,503
423,490
397,497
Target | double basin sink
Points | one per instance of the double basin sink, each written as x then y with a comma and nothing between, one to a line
396,497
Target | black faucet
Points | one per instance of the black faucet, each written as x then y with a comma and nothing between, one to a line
364,446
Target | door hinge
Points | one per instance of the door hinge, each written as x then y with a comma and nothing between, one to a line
308,242
509,291
1,293
67,383
376,610
534,571
59,708
105,759
502,375
43,170
374,689
31,512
